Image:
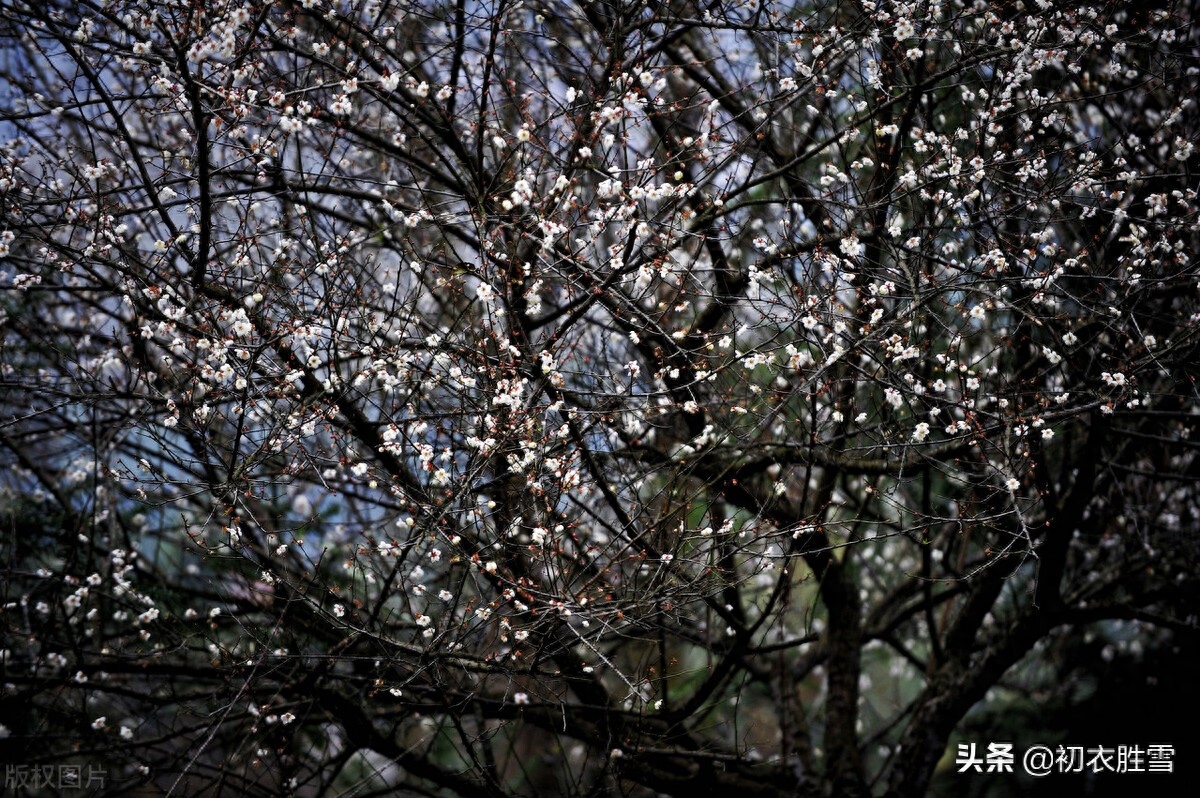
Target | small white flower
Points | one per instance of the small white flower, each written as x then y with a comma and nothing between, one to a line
1012,483
240,326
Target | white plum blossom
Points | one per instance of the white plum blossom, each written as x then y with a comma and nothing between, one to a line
341,105
240,324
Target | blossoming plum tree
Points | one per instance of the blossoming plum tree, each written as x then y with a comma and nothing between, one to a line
584,398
